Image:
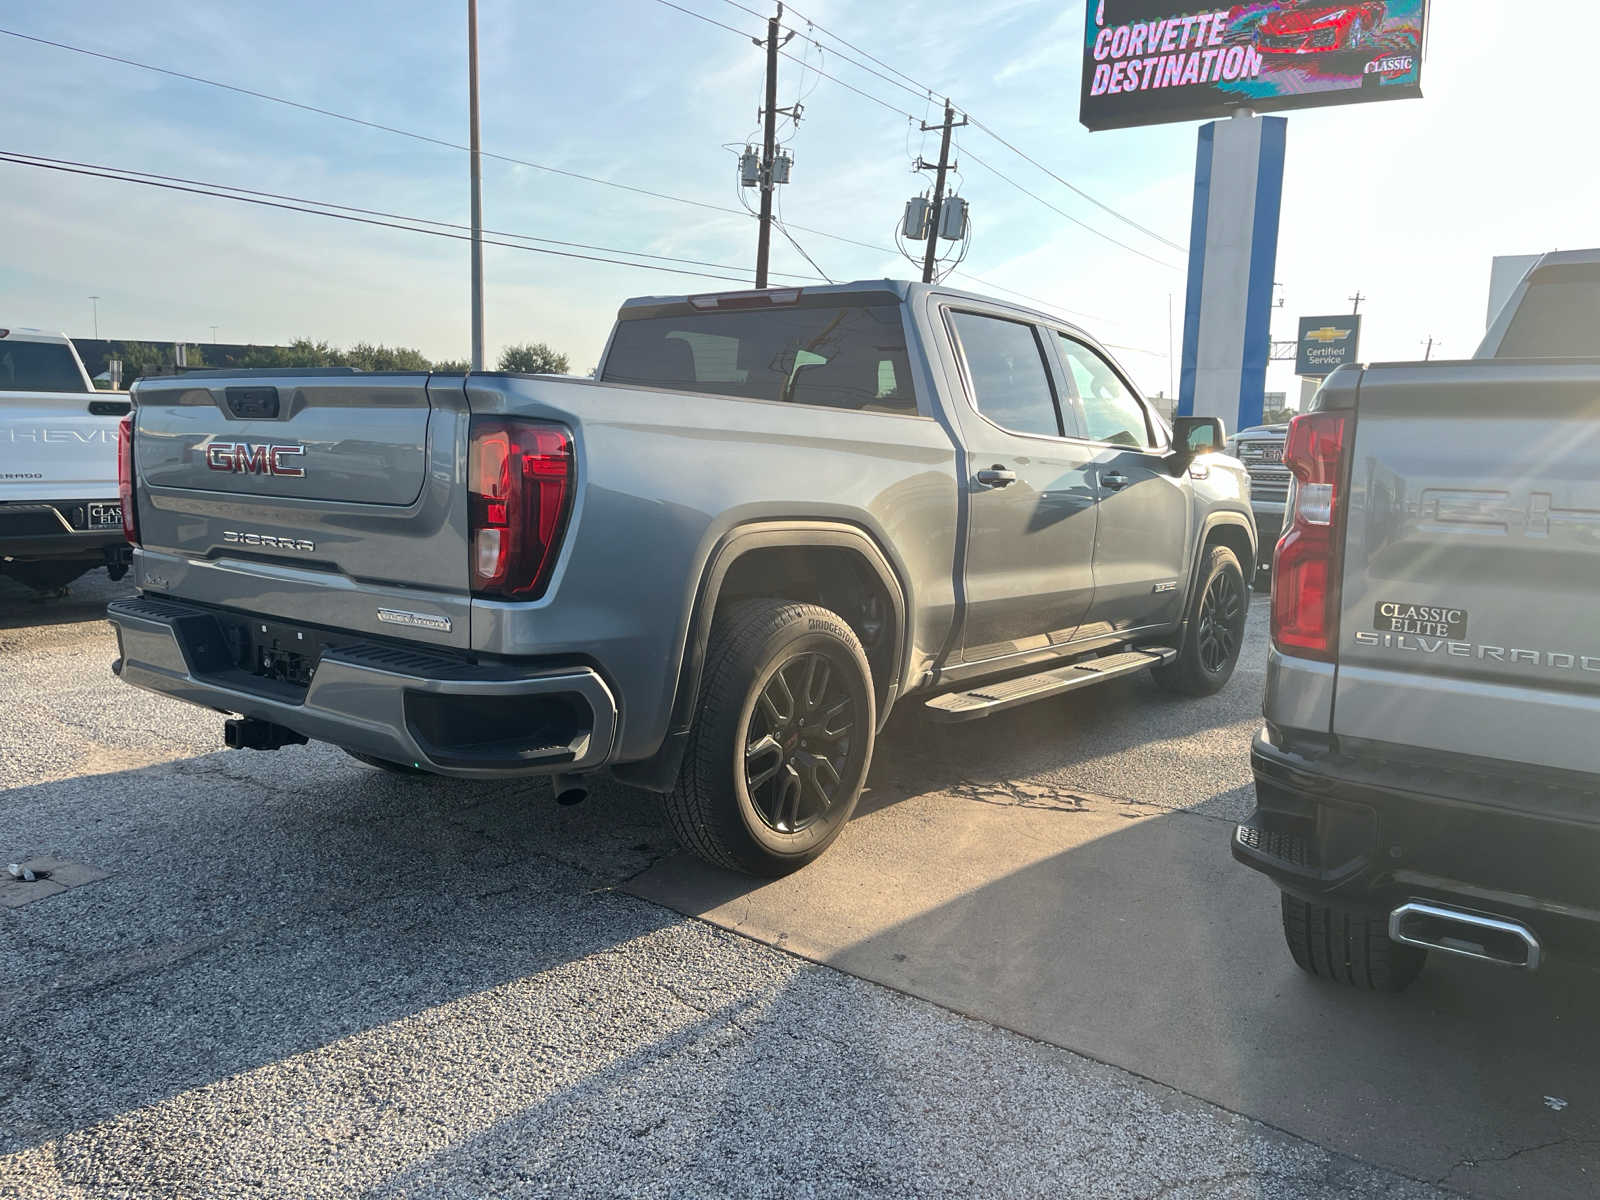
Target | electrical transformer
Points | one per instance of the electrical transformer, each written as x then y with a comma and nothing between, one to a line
953,219
918,214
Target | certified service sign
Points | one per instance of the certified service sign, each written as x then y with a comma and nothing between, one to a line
1326,344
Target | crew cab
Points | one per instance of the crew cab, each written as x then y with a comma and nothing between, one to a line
1428,777
712,570
60,511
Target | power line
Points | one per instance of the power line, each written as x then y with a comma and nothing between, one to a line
918,88
1072,187
304,207
374,212
1067,215
339,116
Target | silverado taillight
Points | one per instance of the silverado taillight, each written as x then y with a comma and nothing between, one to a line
1306,567
130,514
519,480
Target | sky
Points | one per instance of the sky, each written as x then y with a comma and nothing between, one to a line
1405,202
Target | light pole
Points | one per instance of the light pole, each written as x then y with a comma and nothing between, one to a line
214,329
95,301
477,187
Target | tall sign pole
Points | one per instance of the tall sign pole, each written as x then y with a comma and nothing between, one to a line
477,188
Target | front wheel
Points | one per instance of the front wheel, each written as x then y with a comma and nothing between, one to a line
1214,632
780,747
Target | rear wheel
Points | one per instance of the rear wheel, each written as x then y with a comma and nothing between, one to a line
779,751
1214,633
1348,947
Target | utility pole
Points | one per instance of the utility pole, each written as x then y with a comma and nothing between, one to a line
95,301
950,123
769,147
1356,300
214,329
477,187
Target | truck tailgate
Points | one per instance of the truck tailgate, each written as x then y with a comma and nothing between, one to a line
1472,562
326,499
59,445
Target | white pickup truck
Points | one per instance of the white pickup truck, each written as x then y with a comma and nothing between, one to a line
60,508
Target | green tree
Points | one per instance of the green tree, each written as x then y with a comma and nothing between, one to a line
453,366
302,352
534,358
366,357
139,359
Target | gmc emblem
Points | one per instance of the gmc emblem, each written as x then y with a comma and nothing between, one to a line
255,458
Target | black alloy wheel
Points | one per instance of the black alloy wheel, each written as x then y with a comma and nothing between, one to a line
1222,617
798,742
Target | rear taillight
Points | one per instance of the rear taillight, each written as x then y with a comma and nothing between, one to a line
130,514
1305,570
519,477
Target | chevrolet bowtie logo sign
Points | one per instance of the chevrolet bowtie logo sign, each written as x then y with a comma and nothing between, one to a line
1327,343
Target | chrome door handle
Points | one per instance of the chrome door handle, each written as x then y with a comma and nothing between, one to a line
1116,481
997,477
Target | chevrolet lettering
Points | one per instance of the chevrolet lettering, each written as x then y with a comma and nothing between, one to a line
256,458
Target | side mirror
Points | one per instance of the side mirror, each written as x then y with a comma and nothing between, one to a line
1195,436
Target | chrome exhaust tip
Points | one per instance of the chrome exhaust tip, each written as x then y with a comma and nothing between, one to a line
1466,935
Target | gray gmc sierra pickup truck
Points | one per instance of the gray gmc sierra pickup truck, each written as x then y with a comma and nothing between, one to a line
1429,773
711,570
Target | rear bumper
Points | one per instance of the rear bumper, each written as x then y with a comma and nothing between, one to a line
47,530
1370,832
446,714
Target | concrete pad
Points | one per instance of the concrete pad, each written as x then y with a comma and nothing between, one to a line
1125,932
55,875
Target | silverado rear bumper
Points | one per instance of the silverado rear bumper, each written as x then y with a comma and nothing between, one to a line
444,713
1371,830
57,530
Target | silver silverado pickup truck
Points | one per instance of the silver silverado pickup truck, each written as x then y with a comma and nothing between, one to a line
1429,773
712,570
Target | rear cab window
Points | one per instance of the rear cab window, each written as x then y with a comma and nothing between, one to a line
834,352
1559,316
38,367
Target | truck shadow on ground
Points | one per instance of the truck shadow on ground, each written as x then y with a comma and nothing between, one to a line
86,598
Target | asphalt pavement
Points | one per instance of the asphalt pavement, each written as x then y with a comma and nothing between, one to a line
302,977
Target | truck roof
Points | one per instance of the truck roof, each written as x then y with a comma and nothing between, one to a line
902,290
23,333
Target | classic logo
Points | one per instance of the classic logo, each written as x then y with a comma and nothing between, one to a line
1391,65
1328,334
268,541
1431,620
256,458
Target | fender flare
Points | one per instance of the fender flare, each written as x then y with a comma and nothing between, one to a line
1210,525
661,769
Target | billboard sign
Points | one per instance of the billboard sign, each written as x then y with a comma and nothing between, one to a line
1326,344
1148,62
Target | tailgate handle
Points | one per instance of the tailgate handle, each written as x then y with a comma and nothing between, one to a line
253,403
109,408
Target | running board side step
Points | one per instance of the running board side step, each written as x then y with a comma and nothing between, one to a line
1009,693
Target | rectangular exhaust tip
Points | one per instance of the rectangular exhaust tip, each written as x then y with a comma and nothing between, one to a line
1465,935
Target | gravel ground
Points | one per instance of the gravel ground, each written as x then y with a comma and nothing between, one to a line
306,978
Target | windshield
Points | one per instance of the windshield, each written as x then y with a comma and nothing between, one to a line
38,367
847,355
1559,316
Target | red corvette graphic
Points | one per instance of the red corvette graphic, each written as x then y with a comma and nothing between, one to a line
1312,27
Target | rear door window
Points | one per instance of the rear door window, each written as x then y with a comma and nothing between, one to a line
844,355
38,367
1006,368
